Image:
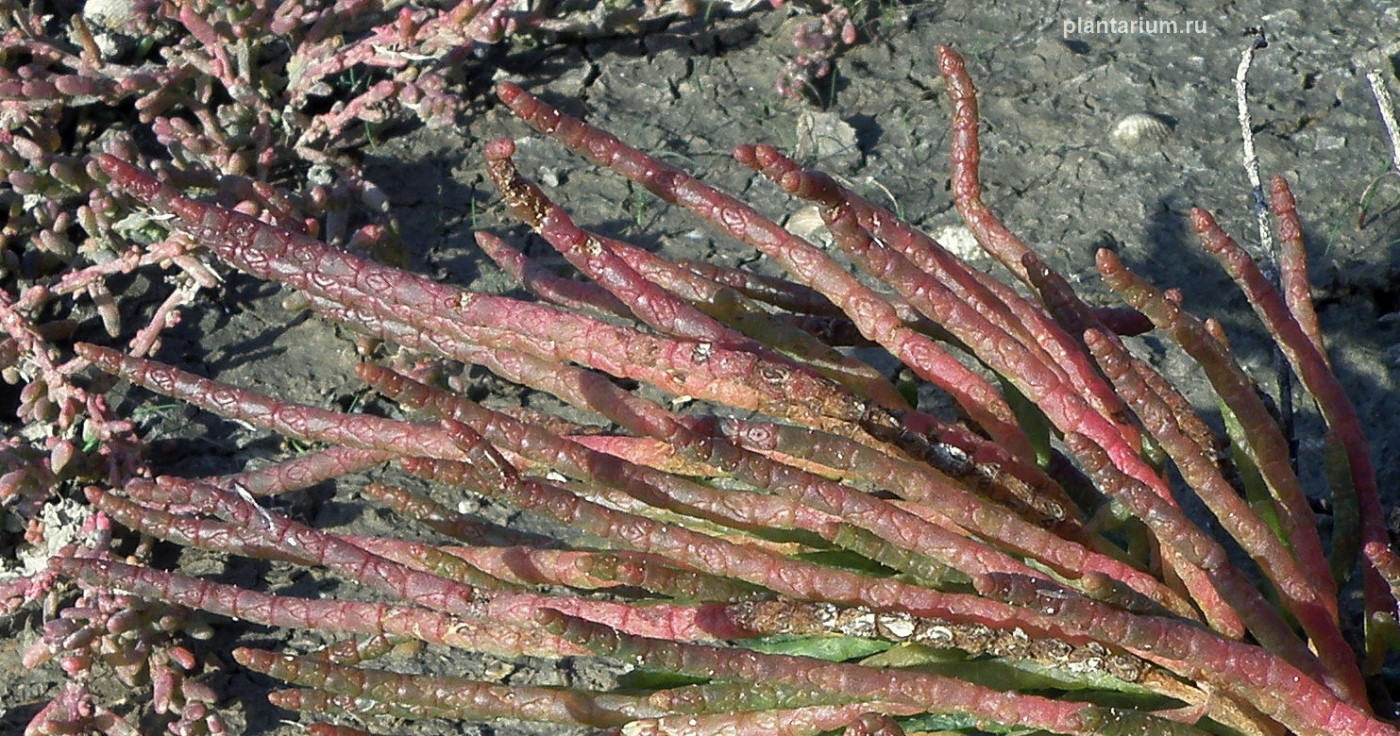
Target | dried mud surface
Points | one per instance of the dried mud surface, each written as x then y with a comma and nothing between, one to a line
694,90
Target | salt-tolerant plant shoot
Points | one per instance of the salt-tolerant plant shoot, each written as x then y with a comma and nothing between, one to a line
239,98
267,108
775,535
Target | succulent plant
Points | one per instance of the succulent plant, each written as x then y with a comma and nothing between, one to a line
792,543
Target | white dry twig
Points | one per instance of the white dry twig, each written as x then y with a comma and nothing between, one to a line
1251,159
1387,109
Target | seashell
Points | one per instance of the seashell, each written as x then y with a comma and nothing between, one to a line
807,223
1139,129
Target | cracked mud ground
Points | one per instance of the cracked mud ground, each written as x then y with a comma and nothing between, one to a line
694,90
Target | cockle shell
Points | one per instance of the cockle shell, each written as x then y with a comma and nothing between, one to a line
1140,129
